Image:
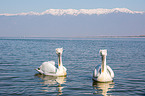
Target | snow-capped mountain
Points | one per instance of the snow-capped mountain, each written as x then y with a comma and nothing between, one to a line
73,23
76,12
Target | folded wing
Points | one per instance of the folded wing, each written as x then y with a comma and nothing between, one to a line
47,68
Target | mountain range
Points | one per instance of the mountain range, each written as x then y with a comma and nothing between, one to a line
73,23
76,12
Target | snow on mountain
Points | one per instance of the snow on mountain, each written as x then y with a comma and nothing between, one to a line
59,12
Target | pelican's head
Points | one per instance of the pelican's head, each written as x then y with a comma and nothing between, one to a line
59,51
103,52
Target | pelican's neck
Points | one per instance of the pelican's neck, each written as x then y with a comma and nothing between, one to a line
103,63
59,60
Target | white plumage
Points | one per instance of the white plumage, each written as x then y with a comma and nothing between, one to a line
48,68
103,73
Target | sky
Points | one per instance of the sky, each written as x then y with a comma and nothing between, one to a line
32,27
19,6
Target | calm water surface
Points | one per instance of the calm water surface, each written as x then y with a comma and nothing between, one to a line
20,57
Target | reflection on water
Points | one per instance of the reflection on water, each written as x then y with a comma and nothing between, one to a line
19,58
103,88
51,83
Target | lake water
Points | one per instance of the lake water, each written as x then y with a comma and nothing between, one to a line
20,57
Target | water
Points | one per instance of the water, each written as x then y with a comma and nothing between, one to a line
19,58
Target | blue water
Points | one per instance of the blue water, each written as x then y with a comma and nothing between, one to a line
19,57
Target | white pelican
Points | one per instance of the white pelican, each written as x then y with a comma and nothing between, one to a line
103,73
48,68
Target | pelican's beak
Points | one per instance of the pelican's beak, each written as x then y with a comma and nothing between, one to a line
59,59
102,69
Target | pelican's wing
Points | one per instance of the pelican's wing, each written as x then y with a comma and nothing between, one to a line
110,71
97,70
47,68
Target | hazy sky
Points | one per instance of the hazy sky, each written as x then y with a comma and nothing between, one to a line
18,6
55,26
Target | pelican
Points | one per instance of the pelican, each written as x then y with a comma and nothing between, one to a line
48,68
103,73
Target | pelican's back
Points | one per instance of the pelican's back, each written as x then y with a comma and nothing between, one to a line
48,67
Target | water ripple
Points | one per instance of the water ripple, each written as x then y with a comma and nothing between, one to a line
19,58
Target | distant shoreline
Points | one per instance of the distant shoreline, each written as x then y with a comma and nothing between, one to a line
140,36
23,37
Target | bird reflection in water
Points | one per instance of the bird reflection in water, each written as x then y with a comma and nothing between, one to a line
51,83
103,88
